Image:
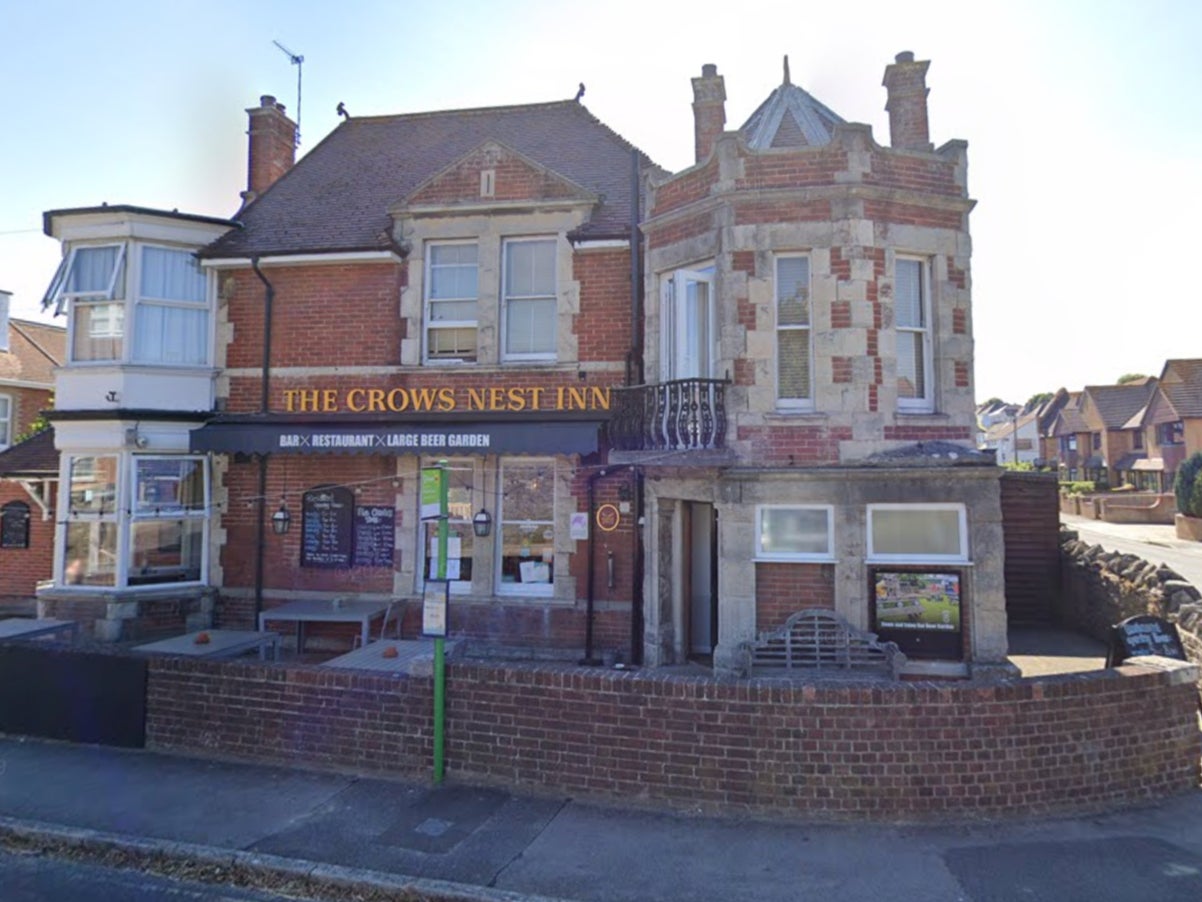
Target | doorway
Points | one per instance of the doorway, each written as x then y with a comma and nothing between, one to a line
701,578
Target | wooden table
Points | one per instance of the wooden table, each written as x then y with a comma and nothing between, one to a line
25,628
221,644
322,610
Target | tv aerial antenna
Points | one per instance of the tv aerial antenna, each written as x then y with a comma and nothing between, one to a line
299,61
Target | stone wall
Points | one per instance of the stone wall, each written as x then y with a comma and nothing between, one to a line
830,750
1099,588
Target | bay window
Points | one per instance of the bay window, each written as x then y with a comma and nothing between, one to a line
529,299
161,290
794,385
912,318
161,534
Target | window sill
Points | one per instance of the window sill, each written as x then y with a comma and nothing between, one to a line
796,415
914,561
795,559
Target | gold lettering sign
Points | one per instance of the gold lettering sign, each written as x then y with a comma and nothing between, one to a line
513,399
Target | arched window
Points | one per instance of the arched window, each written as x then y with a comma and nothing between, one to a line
14,525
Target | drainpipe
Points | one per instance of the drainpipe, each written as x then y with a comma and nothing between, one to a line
634,368
261,528
589,660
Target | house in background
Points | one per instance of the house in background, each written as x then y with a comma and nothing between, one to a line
1116,439
1014,440
1171,425
29,353
1048,448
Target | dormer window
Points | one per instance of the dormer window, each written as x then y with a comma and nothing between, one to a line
169,308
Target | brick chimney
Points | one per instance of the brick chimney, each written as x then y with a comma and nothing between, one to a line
709,109
906,83
272,146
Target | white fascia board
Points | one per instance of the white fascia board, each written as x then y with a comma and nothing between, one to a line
601,244
304,259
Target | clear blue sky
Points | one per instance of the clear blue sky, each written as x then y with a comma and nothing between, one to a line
1085,140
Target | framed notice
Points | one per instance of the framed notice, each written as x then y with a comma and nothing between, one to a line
920,610
434,607
375,535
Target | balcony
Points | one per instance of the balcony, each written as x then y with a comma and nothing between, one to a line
681,415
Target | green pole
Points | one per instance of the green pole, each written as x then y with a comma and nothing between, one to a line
439,651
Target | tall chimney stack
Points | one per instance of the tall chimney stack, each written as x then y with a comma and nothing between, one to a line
906,84
709,110
272,146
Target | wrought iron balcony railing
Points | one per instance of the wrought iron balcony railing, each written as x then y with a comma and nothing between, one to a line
681,415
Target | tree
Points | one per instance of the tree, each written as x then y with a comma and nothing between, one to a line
1036,400
1188,486
1130,377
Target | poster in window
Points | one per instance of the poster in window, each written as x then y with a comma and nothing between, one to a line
920,610
327,521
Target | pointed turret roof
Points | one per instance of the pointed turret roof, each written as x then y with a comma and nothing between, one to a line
790,117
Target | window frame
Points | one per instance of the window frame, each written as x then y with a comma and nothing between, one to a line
823,557
6,419
674,323
506,355
802,402
428,302
925,403
138,513
873,556
454,465
520,589
138,302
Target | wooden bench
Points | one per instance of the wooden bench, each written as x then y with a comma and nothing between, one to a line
819,639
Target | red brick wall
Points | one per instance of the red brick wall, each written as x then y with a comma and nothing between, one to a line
828,750
27,404
783,589
345,315
788,445
515,179
603,327
22,568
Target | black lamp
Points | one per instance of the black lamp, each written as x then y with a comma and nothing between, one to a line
482,523
281,520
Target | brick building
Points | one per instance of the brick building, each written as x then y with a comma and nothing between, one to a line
675,407
29,352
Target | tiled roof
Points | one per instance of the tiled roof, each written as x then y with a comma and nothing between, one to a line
337,197
34,350
1116,404
1181,383
790,117
36,456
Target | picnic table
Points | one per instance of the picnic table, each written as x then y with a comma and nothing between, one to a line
412,656
220,644
27,628
324,610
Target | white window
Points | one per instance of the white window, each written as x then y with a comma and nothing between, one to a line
6,421
794,533
794,386
687,328
166,293
912,306
460,537
90,553
452,291
169,520
92,279
159,536
527,527
919,533
4,299
530,301
171,324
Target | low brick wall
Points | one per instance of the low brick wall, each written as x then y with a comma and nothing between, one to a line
907,751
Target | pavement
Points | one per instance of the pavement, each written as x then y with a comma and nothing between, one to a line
330,835
1153,542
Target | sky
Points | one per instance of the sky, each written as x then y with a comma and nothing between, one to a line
1081,117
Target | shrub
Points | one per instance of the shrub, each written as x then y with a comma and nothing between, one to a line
1188,486
1080,487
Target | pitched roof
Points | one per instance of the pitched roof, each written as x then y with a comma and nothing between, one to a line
1116,404
790,117
36,456
34,350
337,197
1181,383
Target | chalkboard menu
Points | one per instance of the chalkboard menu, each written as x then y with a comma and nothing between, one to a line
1143,635
14,525
375,534
326,536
